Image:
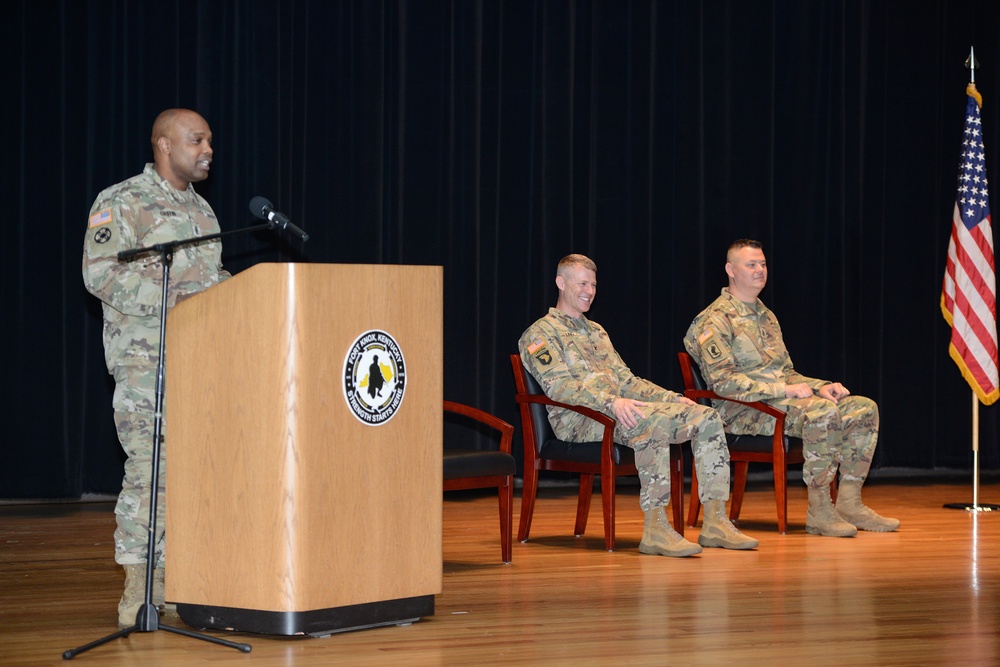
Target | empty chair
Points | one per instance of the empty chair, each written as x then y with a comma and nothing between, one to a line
477,469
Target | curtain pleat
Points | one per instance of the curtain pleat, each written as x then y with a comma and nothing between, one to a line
492,138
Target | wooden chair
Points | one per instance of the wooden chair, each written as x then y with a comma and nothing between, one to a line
543,451
478,469
778,449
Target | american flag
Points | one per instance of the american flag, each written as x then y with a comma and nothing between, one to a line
968,298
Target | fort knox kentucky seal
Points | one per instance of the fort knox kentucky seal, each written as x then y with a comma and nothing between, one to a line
374,377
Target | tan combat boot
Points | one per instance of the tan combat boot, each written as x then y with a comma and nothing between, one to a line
851,509
822,519
134,595
718,531
165,609
159,585
660,539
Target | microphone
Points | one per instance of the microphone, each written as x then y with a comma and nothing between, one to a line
262,208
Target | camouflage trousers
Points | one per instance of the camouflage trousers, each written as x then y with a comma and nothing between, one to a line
674,423
834,435
134,405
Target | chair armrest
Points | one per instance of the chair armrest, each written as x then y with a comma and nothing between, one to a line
506,430
688,373
607,440
778,437
598,417
523,398
695,394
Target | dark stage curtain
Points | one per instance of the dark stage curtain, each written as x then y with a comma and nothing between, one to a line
494,137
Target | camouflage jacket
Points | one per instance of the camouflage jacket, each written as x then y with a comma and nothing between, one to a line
741,354
142,211
575,362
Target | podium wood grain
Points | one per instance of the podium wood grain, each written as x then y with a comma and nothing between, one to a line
278,497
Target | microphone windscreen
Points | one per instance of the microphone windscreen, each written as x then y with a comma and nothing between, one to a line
259,206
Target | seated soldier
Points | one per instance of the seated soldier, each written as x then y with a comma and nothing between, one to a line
737,343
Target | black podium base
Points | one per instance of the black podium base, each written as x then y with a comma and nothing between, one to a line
316,623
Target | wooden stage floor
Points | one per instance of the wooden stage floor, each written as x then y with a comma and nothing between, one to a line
926,595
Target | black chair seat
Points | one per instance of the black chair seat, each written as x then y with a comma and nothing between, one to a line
477,463
584,452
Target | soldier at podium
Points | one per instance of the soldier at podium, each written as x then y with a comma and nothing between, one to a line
157,206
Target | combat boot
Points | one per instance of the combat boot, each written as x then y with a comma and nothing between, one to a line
718,531
851,509
134,595
165,609
822,518
660,539
159,586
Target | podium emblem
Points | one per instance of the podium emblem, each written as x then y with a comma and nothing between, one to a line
374,377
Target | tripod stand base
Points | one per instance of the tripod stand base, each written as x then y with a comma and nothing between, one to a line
147,620
316,623
972,508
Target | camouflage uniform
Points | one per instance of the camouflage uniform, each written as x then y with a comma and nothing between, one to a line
741,353
142,211
575,362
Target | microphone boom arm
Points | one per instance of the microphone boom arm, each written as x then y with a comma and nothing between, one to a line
170,246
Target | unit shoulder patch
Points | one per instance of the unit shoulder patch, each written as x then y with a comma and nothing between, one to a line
711,351
539,350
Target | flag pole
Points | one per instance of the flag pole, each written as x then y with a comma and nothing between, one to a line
975,506
975,447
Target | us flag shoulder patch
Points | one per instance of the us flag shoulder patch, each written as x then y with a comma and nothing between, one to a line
102,217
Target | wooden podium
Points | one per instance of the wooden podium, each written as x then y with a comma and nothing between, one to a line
303,449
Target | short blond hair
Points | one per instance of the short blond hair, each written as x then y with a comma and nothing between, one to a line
575,260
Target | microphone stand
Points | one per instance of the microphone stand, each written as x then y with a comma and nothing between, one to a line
147,619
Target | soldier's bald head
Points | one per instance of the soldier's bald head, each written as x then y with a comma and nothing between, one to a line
182,147
166,121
